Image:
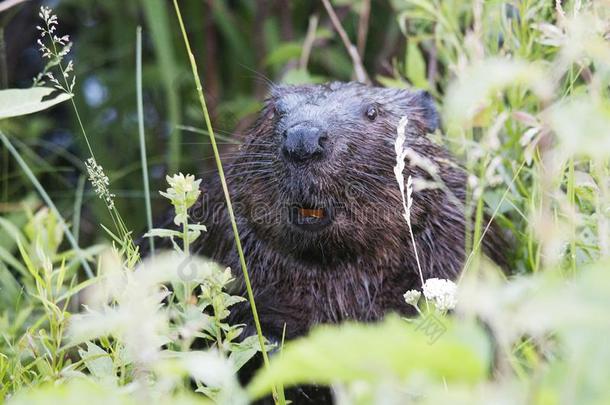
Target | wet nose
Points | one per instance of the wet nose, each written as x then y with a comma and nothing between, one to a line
303,142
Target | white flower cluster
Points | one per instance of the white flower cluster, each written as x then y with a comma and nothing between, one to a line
55,51
100,182
441,292
412,297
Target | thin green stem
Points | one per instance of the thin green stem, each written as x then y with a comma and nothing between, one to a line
67,90
143,157
225,190
479,241
78,203
572,200
48,202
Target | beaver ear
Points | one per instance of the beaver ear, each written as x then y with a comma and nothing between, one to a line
423,106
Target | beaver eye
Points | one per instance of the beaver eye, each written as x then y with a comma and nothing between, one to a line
371,113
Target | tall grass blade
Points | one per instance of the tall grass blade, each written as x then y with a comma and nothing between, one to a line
78,203
225,190
158,22
141,134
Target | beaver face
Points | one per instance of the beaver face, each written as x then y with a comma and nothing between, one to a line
315,176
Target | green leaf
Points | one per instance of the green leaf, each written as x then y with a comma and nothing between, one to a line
582,125
163,233
98,362
197,227
9,287
244,351
283,53
373,352
17,102
416,66
8,258
300,76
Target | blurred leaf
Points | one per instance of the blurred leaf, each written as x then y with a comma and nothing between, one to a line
283,53
469,96
583,126
416,66
17,102
98,362
300,76
386,81
374,352
71,393
8,258
9,287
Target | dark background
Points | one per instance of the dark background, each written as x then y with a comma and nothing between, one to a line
240,47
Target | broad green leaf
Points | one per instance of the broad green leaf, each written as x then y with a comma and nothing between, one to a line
242,352
9,287
283,53
374,352
416,66
98,362
17,102
300,76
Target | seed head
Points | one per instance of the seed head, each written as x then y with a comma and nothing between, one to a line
100,182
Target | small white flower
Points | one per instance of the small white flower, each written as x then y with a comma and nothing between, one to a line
412,297
183,193
441,292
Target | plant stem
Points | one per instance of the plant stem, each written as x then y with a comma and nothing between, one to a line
479,241
572,200
151,240
48,202
78,204
225,190
359,70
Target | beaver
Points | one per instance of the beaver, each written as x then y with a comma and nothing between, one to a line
320,213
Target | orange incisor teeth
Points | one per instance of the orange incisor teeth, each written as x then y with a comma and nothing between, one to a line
312,212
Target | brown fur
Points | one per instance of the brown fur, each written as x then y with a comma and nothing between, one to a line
359,267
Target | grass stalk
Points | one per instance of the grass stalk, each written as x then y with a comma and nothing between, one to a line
572,200
225,190
143,158
45,197
479,241
78,204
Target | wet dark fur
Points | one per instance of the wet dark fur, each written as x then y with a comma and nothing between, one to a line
360,267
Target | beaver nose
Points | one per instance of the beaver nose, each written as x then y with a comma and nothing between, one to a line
303,142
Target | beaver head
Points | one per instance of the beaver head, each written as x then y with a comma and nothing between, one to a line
314,178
